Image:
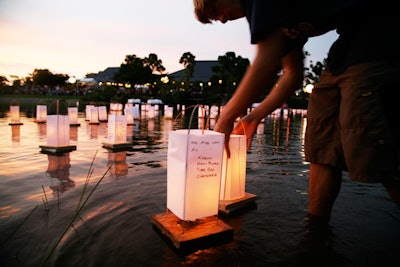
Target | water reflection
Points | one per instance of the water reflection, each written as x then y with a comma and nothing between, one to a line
15,133
117,161
58,168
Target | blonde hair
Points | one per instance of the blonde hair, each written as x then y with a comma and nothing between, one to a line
200,6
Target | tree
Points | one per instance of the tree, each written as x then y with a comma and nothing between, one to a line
134,70
154,63
188,61
3,81
46,77
229,72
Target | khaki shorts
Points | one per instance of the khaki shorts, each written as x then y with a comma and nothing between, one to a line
353,121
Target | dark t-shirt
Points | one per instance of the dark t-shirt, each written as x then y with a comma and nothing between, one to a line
366,30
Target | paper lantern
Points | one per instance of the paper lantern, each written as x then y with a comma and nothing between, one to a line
15,116
41,113
87,111
151,112
136,112
234,169
129,115
103,113
57,130
194,168
94,116
116,128
214,112
73,116
169,112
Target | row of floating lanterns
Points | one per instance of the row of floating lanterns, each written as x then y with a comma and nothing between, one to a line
201,190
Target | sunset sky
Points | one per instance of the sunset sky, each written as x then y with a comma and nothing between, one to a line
77,37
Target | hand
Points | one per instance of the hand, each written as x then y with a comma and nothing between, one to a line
247,126
225,128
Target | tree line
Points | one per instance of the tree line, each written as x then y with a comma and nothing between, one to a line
149,71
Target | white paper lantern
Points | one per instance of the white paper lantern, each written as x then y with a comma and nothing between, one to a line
103,113
87,111
194,169
94,115
15,116
234,169
57,130
129,115
117,129
41,113
136,112
73,115
169,112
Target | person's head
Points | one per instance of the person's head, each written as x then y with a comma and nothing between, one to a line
207,11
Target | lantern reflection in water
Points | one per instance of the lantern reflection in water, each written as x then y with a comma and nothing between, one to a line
118,162
58,168
15,133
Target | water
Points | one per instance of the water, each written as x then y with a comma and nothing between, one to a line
114,228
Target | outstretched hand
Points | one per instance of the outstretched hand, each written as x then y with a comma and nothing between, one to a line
227,130
247,126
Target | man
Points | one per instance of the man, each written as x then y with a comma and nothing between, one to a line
353,113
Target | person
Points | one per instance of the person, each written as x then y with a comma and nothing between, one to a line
353,114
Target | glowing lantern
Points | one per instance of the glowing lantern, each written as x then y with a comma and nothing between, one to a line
151,113
73,116
234,169
129,115
102,113
94,116
57,130
194,173
116,128
41,113
87,111
15,117
136,112
169,112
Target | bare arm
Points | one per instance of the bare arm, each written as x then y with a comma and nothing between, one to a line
267,63
292,65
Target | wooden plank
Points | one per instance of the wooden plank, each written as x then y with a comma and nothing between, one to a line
188,235
57,149
230,206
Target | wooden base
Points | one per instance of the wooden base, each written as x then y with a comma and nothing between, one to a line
75,125
57,149
188,235
40,121
15,123
117,146
230,206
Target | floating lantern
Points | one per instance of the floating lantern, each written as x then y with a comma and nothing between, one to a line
214,112
41,113
169,112
73,116
87,111
194,169
233,195
57,133
103,113
117,132
136,112
151,112
94,116
129,115
15,116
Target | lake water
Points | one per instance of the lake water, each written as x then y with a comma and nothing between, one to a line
39,194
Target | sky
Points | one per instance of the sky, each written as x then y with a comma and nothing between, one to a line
77,37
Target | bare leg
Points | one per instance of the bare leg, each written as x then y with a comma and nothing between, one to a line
324,186
393,187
